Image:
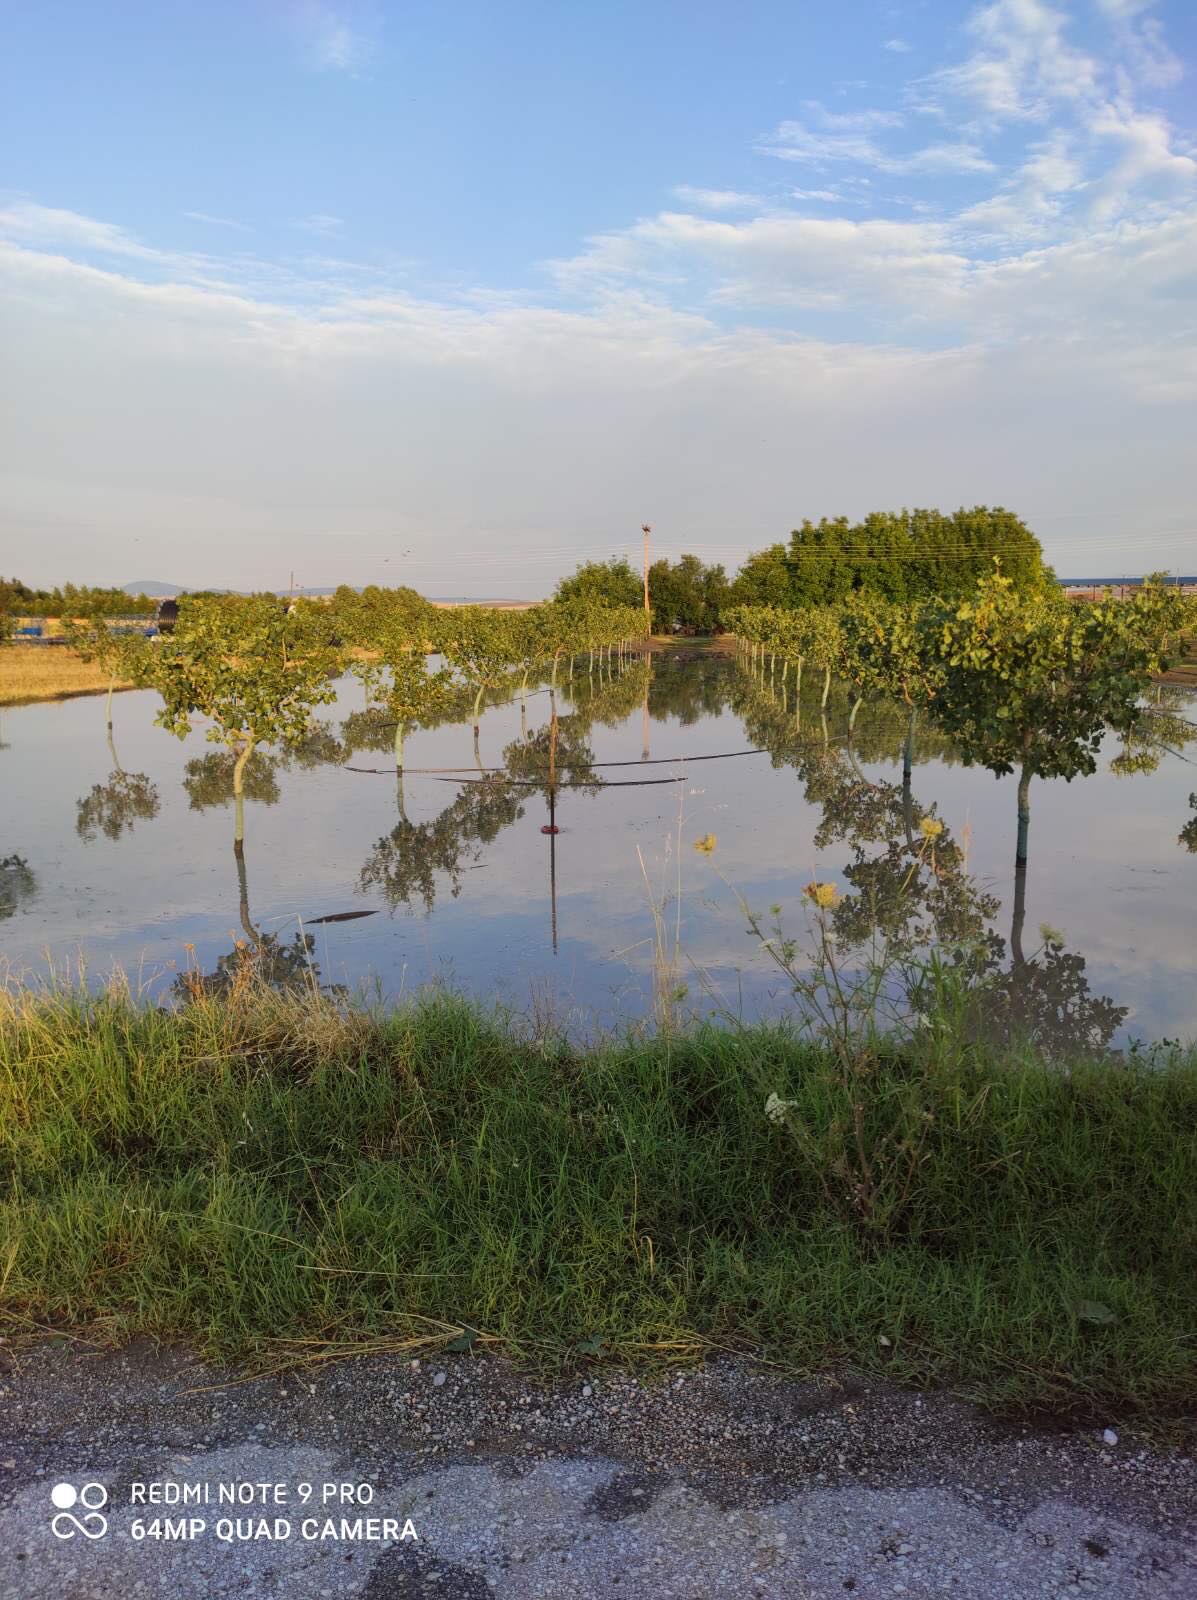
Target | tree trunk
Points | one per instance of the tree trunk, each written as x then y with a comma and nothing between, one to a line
111,686
1020,916
826,686
239,794
1024,816
478,707
251,933
908,750
399,746
856,704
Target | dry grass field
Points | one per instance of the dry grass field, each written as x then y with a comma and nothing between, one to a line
34,672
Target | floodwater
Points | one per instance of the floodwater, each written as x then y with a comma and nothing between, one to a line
122,854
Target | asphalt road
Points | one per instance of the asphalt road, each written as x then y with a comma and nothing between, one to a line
457,1478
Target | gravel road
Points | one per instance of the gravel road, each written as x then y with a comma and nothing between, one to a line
457,1478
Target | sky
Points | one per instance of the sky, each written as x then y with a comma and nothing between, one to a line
458,295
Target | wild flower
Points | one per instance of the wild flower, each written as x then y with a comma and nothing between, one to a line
776,1107
824,895
706,845
930,828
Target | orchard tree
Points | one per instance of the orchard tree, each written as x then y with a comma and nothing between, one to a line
479,643
1031,684
393,626
883,650
254,667
127,656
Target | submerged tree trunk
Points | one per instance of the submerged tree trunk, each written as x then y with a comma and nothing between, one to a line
251,933
1024,816
478,706
826,685
399,746
111,686
856,705
1020,915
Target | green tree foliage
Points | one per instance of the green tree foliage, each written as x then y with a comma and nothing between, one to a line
394,626
608,583
71,600
1030,684
253,666
902,556
687,592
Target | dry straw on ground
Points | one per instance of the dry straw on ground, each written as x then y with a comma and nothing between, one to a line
38,672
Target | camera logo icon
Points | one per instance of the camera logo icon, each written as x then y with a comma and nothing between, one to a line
91,1496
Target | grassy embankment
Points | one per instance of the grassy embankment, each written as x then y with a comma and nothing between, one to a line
38,672
277,1177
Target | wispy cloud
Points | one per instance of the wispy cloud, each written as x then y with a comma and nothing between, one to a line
816,147
334,38
898,46
320,222
716,199
218,222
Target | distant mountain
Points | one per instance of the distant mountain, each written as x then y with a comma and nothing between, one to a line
156,591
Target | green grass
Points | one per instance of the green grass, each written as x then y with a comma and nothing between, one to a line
272,1175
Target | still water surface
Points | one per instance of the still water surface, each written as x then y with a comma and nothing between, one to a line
123,854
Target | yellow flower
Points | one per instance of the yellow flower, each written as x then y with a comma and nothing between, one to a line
706,844
930,828
824,895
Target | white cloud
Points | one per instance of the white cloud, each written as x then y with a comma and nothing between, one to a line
716,199
898,46
1146,159
1022,68
44,225
1030,200
244,421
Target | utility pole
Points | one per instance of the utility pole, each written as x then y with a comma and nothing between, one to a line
648,616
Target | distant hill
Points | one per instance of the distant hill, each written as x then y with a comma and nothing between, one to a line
156,591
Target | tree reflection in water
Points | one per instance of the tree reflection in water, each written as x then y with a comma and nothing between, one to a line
113,807
259,958
18,884
208,779
1188,834
911,895
404,864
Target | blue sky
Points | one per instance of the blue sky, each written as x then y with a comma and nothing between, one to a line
471,291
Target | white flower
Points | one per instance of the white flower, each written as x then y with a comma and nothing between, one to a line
776,1108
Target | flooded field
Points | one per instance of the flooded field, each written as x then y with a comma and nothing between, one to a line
121,852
